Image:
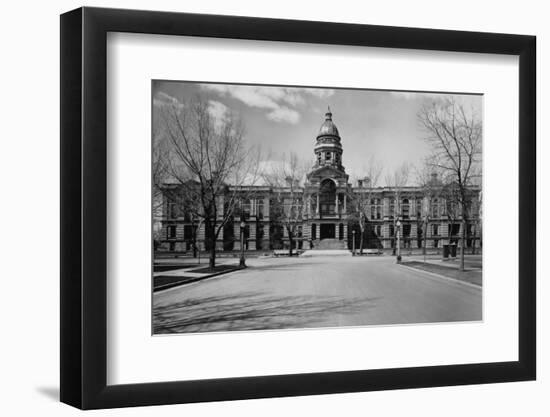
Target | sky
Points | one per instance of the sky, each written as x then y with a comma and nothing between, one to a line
372,124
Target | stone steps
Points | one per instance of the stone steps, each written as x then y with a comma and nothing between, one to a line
325,252
330,244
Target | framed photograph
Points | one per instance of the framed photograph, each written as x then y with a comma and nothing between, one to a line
259,208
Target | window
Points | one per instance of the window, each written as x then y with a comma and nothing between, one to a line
418,207
246,209
314,231
405,208
171,230
392,230
454,229
260,208
392,208
172,210
328,156
435,229
319,158
435,208
378,230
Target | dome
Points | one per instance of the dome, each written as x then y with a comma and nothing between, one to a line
328,128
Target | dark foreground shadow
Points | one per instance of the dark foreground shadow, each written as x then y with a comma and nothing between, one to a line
50,392
253,311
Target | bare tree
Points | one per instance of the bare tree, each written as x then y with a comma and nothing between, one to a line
205,153
396,180
364,194
455,134
286,179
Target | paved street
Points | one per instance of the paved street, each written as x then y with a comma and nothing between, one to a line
278,293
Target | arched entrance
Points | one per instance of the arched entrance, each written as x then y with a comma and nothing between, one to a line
327,203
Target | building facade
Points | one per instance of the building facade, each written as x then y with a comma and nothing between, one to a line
329,212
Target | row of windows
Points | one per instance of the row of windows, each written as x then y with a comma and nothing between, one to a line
438,209
327,157
453,229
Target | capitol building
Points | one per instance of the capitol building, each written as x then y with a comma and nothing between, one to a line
333,213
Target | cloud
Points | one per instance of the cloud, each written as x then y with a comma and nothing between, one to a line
412,95
405,95
218,111
162,99
280,102
284,114
322,93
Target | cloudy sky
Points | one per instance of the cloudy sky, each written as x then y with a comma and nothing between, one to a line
371,123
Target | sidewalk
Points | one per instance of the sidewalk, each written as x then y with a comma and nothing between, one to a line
171,275
473,273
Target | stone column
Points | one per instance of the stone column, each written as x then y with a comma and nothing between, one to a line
414,235
265,240
317,209
345,203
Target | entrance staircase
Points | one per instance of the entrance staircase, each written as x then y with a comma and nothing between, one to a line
330,244
327,247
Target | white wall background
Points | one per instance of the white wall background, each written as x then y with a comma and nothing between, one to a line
29,172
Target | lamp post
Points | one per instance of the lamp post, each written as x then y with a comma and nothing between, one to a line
242,263
398,224
353,243
426,220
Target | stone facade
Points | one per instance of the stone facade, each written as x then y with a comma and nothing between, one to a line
333,209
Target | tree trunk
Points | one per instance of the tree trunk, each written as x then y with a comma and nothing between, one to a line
462,244
473,241
290,242
212,260
211,232
361,242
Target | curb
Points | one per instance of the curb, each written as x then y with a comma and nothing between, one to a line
192,280
468,284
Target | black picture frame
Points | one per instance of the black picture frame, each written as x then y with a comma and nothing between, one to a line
84,207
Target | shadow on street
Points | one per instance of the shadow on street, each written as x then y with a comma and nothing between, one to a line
252,311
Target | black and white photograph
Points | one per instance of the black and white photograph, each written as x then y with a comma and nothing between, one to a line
292,207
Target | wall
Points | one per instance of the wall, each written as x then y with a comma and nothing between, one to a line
29,174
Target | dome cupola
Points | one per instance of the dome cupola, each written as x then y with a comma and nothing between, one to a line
328,128
328,149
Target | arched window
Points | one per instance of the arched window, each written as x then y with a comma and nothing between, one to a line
392,208
435,208
418,207
327,197
260,208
